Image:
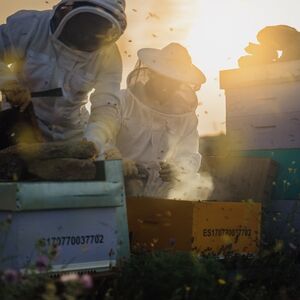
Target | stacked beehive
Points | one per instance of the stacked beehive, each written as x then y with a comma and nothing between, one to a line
263,120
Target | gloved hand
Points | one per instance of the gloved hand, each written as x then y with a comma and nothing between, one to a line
169,172
112,153
130,168
16,94
91,146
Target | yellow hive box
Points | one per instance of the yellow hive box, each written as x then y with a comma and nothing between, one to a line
214,227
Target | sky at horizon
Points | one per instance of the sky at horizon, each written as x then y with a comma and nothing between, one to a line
215,32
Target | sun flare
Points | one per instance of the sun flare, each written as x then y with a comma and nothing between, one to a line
215,33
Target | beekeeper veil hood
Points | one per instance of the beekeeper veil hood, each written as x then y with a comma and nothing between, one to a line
166,73
87,25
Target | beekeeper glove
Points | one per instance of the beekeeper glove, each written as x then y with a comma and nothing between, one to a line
169,172
112,153
129,166
16,94
92,146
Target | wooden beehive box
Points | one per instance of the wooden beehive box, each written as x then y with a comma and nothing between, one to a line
85,219
286,185
262,106
214,227
239,178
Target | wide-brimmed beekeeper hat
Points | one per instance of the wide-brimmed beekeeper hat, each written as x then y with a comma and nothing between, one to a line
172,61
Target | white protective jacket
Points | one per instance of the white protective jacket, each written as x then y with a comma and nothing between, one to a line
148,137
40,61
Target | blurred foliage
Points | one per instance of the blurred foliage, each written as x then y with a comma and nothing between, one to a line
273,273
170,275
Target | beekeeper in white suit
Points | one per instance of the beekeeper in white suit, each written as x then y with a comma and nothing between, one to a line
159,124
70,47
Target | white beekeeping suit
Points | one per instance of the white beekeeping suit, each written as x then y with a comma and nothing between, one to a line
161,130
42,59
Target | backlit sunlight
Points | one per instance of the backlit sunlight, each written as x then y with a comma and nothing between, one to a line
215,32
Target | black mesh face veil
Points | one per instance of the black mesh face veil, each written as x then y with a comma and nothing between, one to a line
84,26
65,8
141,76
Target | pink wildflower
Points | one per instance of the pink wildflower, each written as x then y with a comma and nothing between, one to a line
10,276
87,281
42,263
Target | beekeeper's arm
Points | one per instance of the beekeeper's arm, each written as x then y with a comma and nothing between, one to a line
104,122
13,42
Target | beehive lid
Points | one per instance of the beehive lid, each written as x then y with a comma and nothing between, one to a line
20,196
106,191
275,73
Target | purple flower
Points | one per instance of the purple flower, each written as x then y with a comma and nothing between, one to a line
42,263
87,281
10,276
